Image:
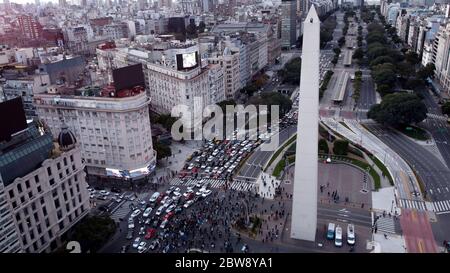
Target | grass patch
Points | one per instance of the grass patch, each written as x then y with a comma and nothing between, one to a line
277,153
279,168
383,169
414,132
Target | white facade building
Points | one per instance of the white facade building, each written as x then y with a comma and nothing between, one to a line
114,132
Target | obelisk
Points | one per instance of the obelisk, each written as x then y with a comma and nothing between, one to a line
304,203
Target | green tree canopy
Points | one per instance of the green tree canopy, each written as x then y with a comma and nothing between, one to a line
93,232
398,109
340,147
446,108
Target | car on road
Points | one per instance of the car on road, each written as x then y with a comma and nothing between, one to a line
136,242
351,238
160,210
154,197
338,237
178,209
154,244
164,200
155,223
330,232
163,224
135,213
188,191
170,190
147,212
141,248
199,184
168,215
160,198
130,234
142,231
188,204
170,208
151,232
105,193
206,193
190,196
130,225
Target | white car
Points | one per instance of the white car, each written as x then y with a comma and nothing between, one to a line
164,200
135,213
136,242
164,223
141,246
147,212
187,192
338,237
169,209
206,193
160,210
188,204
190,188
199,184
351,234
130,225
154,197
176,193
105,193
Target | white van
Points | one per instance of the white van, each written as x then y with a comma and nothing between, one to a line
338,237
351,234
154,197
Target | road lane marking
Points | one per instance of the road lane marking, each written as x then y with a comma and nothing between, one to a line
447,189
420,246
443,212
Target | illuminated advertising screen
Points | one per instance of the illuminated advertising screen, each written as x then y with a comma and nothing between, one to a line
187,60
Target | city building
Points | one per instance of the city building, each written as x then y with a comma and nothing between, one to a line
113,129
29,26
288,23
9,238
44,184
18,83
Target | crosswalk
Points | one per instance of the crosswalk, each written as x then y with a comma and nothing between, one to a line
121,212
413,204
215,183
386,224
443,118
439,207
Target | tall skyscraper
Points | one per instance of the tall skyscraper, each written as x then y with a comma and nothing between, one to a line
304,203
288,23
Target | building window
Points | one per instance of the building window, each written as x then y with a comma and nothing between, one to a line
49,171
44,210
27,184
52,181
71,158
19,188
36,178
65,161
58,166
39,189
11,194
57,203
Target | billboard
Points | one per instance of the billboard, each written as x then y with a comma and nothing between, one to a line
128,77
187,60
12,118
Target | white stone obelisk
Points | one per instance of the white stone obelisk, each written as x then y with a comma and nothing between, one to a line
304,203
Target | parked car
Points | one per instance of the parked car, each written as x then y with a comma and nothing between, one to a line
136,242
160,210
351,238
338,237
330,232
163,224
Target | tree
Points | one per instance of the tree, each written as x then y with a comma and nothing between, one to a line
384,74
291,71
446,108
166,121
337,50
162,150
272,98
323,146
398,109
426,72
381,60
405,70
93,232
358,54
340,147
412,57
384,89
